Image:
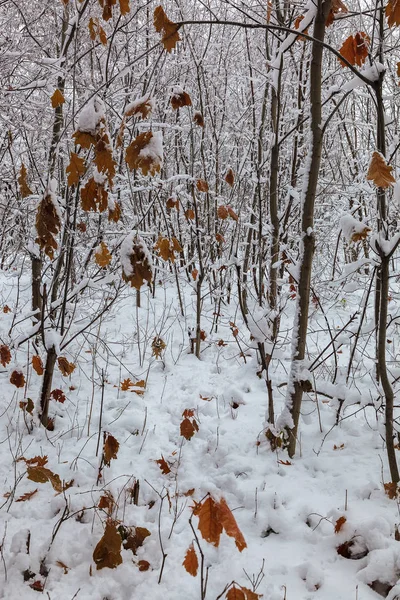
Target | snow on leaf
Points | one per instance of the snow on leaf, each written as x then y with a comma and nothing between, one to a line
24,188
202,185
235,593
337,8
210,525
5,355
102,255
114,213
380,172
166,248
168,29
110,449
191,562
179,99
65,366
134,538
393,12
230,526
108,550
57,98
157,346
145,153
137,266
17,378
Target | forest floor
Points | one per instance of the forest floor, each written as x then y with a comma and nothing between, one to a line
319,526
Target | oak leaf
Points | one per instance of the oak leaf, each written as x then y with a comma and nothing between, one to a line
250,595
164,466
210,525
380,172
24,188
96,31
191,562
337,8
179,99
5,355
126,384
166,248
110,449
102,255
57,98
94,196
393,12
17,378
27,496
202,185
40,461
84,139
169,30
40,474
58,395
108,550
103,158
65,366
230,526
47,225
145,153
136,262
355,49
37,364
235,593
75,169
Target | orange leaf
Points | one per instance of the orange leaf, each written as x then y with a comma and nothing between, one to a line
166,248
189,214
114,214
202,185
110,449
47,225
222,212
144,153
232,213
124,7
94,196
27,496
96,31
355,49
37,364
24,188
210,525
108,550
393,12
228,522
57,98
235,594
17,378
65,366
337,7
143,565
126,384
194,274
391,490
230,177
380,172
339,524
102,255
40,474
137,267
191,562
5,355
164,466
188,428
75,169
251,595
180,99
168,29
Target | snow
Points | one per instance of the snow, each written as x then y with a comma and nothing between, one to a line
350,226
90,115
154,149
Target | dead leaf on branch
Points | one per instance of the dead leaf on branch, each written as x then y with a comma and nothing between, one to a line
166,248
94,196
202,185
210,525
230,526
65,366
143,565
191,562
222,212
96,31
145,153
103,158
110,449
75,169
169,30
380,172
136,262
47,225
40,461
134,537
230,177
108,550
102,255
40,474
24,188
355,49
188,428
235,593
337,8
391,490
58,395
17,378
28,406
114,214
37,364
180,98
57,99
5,355
157,346
393,12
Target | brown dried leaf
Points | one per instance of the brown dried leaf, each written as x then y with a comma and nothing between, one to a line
235,594
75,169
391,490
126,384
210,525
339,524
355,49
102,256
393,12
47,225
40,474
194,274
104,159
124,7
143,565
136,158
135,538
65,366
84,139
106,502
6,309
27,496
228,522
222,212
360,235
189,214
164,466
5,355
108,550
230,177
158,345
198,119
232,213
106,5
40,461
250,595
166,248
110,449
337,8
28,406
96,31
191,562
202,185
94,197
379,172
168,29
188,428
37,365
141,266
24,188
180,99
114,214
57,98
62,565
58,395
17,378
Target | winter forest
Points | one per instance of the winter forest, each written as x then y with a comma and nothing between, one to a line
199,299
